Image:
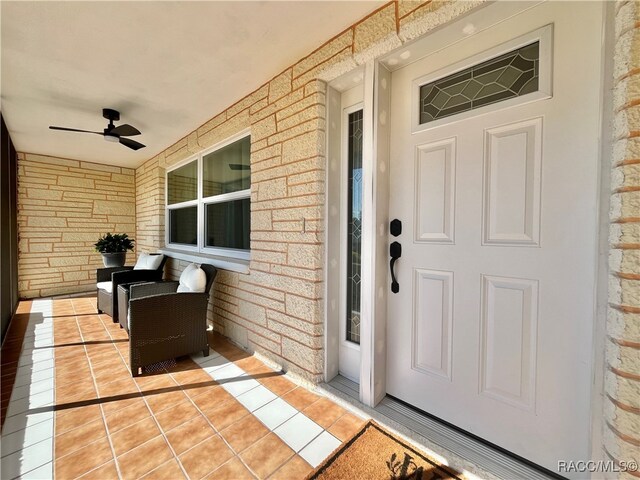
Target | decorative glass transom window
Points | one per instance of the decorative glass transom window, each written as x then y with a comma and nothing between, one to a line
510,75
208,201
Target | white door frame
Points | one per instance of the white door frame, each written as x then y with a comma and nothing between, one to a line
376,159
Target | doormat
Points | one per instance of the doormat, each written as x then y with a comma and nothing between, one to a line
374,453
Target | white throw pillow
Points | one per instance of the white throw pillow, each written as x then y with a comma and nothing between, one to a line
148,262
141,264
154,261
193,279
106,286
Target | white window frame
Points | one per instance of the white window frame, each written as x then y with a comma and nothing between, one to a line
201,202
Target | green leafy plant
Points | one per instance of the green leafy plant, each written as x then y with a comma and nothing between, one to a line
114,243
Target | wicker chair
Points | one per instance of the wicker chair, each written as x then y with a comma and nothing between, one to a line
108,299
164,324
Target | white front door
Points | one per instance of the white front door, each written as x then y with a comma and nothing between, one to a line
491,328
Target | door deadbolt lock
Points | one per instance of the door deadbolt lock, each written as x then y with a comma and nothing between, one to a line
395,227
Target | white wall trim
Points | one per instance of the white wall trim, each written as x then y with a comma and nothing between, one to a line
368,254
602,255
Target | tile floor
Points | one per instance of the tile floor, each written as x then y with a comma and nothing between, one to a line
75,411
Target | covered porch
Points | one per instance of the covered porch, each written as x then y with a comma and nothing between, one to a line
396,238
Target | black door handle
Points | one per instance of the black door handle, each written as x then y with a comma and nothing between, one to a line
395,250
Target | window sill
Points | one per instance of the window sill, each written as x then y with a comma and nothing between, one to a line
224,263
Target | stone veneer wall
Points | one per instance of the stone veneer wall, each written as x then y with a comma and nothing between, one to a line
277,309
622,377
63,206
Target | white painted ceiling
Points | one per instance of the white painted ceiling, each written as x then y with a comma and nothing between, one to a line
167,67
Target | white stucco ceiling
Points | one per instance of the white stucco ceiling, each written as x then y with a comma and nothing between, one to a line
166,66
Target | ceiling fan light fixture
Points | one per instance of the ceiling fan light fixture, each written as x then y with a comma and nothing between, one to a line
112,133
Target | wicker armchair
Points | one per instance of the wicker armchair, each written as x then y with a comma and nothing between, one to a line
164,324
108,297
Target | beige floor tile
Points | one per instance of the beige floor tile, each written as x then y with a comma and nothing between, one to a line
72,440
189,434
177,415
83,460
71,418
300,398
244,433
105,472
161,401
234,469
324,412
167,471
267,455
134,435
113,404
205,457
346,427
278,384
226,414
297,467
148,456
127,416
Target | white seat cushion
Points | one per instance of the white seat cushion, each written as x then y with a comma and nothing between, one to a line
148,262
193,279
106,286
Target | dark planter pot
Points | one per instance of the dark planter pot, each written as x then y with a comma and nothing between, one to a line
114,259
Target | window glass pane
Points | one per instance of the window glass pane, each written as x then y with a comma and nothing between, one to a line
228,224
354,226
183,225
182,183
510,75
228,169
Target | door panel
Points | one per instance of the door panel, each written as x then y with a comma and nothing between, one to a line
508,335
513,160
433,321
491,329
435,191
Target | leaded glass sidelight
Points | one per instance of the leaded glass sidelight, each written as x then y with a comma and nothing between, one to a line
510,75
354,227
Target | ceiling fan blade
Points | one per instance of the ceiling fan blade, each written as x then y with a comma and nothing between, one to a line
125,130
65,129
132,144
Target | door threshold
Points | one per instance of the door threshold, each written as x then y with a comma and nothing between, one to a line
462,450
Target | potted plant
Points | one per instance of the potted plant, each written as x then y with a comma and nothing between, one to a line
113,248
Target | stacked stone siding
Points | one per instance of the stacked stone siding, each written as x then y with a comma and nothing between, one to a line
622,377
63,206
277,309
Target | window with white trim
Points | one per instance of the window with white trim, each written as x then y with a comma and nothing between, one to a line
208,201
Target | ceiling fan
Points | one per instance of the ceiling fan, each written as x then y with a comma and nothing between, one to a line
112,133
